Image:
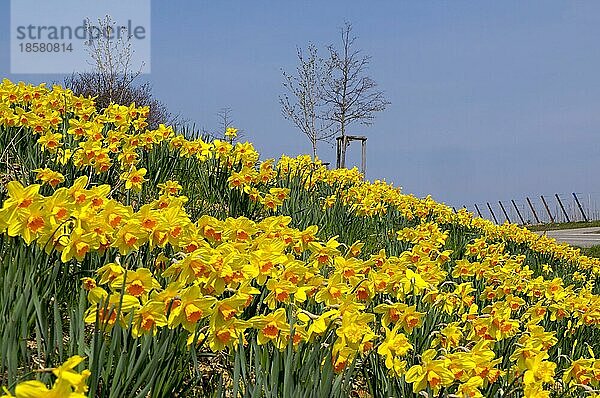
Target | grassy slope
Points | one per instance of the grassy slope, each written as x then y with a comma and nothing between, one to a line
206,186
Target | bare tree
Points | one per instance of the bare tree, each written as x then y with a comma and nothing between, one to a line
349,94
225,119
303,103
226,122
113,78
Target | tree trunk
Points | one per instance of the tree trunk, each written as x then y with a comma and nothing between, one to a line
344,145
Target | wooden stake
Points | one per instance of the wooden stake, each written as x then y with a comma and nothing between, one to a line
533,210
504,211
562,207
518,212
580,208
492,212
547,209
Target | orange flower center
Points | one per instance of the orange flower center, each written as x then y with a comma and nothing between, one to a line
193,313
136,288
191,247
82,248
335,292
114,220
227,311
434,380
282,295
323,258
148,223
25,203
362,293
266,267
224,336
175,232
89,283
130,239
35,223
147,322
108,316
340,364
271,330
411,321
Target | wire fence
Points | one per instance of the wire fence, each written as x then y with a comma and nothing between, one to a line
542,209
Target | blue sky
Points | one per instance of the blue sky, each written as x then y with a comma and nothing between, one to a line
489,100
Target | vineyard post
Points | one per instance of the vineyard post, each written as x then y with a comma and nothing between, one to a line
518,212
492,212
547,209
580,208
533,210
562,207
504,211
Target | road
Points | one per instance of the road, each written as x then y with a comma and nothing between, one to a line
582,237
